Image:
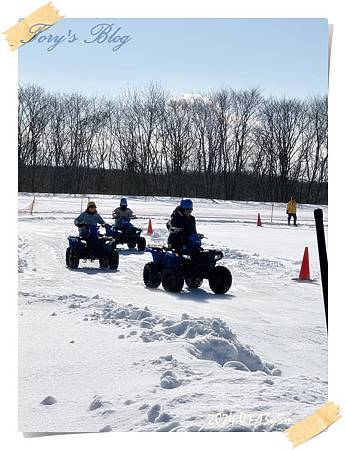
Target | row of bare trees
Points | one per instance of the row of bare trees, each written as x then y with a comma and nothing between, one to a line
223,144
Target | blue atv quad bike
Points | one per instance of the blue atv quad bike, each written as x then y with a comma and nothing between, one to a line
92,245
125,233
192,265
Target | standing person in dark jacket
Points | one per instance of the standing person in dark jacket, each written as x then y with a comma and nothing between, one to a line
89,217
181,224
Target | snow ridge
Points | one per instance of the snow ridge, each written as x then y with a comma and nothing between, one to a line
205,338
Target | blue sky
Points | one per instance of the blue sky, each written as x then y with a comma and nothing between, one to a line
284,57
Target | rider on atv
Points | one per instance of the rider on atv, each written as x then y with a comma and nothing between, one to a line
188,263
89,217
181,225
123,212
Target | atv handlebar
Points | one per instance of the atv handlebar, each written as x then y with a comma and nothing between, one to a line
125,218
175,230
80,225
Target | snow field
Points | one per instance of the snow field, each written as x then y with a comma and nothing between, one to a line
151,361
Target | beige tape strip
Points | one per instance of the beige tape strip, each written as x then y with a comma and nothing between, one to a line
313,425
26,29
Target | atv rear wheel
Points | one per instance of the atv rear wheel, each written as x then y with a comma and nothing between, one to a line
73,258
220,280
68,256
193,282
113,260
173,280
103,262
131,245
141,244
151,276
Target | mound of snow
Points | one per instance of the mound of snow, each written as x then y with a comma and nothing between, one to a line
96,403
207,338
163,417
49,400
154,412
237,365
106,429
169,380
214,349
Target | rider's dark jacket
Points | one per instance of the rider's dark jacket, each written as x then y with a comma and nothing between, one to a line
179,220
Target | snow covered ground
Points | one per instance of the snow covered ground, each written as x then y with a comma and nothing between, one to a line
118,357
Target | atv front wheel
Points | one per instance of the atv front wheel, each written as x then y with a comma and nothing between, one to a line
220,280
73,258
103,262
131,245
173,280
193,282
141,244
113,260
151,276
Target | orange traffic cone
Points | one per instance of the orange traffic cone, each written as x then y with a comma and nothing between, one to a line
259,222
305,268
150,228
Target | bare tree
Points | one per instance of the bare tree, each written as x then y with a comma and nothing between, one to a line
225,144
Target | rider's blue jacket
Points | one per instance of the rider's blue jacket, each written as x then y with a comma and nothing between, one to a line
86,218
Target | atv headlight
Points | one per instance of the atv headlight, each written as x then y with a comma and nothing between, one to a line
186,256
217,257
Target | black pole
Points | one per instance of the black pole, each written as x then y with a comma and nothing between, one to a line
322,251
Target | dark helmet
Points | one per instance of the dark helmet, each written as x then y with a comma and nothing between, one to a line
186,203
123,202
